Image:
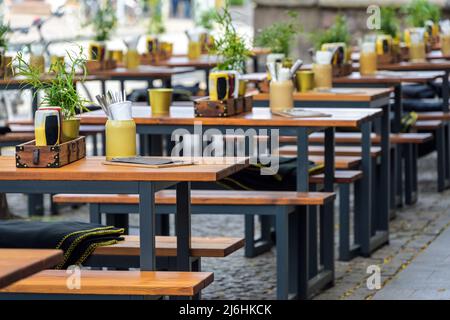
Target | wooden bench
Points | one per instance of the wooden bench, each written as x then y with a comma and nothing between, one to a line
14,138
278,204
348,151
408,142
99,284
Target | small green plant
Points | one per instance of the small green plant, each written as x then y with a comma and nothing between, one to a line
104,22
420,11
156,24
4,31
279,36
59,90
206,19
389,21
229,46
336,33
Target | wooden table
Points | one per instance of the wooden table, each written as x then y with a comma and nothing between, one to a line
433,65
90,175
147,73
388,79
16,264
261,118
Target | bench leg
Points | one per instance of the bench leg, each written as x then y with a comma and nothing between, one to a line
35,204
365,226
95,215
313,237
410,191
440,148
282,230
302,255
254,247
344,222
399,176
415,175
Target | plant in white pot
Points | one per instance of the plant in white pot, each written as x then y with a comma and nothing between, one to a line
60,88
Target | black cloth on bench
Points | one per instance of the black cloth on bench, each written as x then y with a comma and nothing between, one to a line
421,105
420,91
77,239
251,178
4,130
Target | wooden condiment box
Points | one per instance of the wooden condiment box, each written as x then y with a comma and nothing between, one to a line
28,155
94,65
204,107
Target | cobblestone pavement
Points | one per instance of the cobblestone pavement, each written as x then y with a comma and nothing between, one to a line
236,277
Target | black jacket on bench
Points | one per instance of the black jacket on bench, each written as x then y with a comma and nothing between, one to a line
77,239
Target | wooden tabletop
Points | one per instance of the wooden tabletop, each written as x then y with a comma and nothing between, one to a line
205,61
16,264
389,77
259,117
144,72
337,94
433,65
258,51
94,169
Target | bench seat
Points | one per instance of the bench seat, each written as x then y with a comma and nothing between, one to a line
424,125
209,197
434,115
16,137
127,283
355,138
338,150
217,247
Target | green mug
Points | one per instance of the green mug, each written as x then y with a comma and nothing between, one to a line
305,80
160,100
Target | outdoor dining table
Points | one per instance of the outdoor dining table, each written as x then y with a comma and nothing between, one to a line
16,264
372,237
350,98
91,175
142,73
388,79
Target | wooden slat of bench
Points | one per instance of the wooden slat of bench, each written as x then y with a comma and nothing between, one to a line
338,150
84,129
16,137
435,115
217,247
340,162
355,138
340,176
209,197
428,125
97,282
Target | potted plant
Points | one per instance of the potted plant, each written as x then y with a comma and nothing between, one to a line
104,23
422,14
156,23
59,90
279,37
389,22
229,46
336,33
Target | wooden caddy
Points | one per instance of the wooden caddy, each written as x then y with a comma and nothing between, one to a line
28,155
204,107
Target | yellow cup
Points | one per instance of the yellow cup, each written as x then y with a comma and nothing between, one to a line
242,87
116,55
37,62
132,59
194,50
160,100
120,139
304,80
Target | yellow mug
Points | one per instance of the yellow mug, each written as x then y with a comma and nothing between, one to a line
304,80
160,100
120,138
132,59
37,62
194,50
